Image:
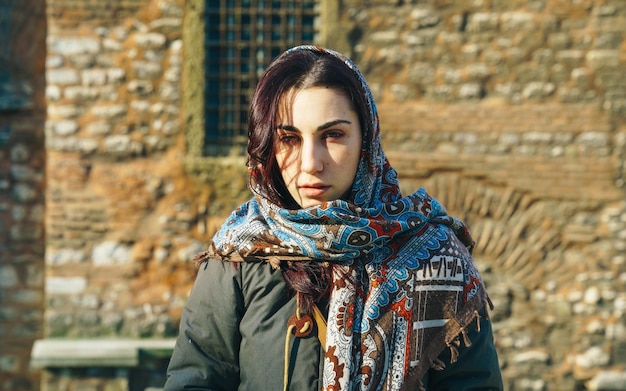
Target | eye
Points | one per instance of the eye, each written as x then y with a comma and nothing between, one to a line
333,134
288,138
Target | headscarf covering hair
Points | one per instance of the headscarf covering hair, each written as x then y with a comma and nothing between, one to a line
405,286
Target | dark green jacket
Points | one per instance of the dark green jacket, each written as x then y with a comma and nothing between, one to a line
233,330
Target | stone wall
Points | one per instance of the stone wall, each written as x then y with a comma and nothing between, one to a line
22,186
510,112
121,211
513,115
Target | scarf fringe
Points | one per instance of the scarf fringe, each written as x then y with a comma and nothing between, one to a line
437,365
202,257
461,339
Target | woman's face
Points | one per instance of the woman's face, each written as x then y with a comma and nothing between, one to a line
319,144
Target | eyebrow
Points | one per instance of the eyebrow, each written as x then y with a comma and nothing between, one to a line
327,125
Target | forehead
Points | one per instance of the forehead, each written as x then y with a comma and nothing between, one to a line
314,102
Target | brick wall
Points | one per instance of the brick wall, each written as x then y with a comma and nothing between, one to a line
122,213
511,113
22,187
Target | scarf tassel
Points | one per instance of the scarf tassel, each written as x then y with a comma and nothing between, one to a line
456,343
454,354
437,365
466,340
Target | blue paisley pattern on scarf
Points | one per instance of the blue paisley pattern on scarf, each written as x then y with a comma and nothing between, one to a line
415,284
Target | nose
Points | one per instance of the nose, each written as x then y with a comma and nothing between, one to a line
311,157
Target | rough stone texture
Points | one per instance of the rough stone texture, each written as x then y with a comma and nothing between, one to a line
512,113
22,187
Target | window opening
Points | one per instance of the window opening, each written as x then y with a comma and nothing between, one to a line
241,38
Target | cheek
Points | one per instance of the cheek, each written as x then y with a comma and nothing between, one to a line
354,163
286,164
353,155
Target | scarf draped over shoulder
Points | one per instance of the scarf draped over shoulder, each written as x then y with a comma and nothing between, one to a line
405,286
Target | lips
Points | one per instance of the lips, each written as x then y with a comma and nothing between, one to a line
313,190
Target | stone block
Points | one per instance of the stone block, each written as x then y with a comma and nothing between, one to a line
34,276
111,253
603,58
64,127
384,37
30,297
147,70
141,87
422,73
523,383
477,71
94,77
109,111
471,91
423,18
593,357
98,128
65,256
122,145
570,95
111,45
24,173
69,46
64,111
9,363
608,380
19,213
24,193
81,93
54,61
65,285
482,21
171,127
169,92
150,40
537,90
53,93
176,48
20,153
172,74
116,75
62,76
83,61
9,277
87,146
516,21
166,26
571,57
543,56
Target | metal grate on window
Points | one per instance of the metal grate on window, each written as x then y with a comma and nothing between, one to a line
15,91
242,37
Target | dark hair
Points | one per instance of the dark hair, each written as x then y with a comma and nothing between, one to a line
299,69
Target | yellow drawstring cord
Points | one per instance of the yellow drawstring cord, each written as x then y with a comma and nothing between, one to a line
290,328
301,326
286,370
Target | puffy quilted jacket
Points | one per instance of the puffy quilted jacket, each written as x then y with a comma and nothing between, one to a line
233,331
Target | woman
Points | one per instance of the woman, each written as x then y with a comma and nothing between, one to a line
329,235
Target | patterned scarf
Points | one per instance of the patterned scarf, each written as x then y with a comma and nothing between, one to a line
412,289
